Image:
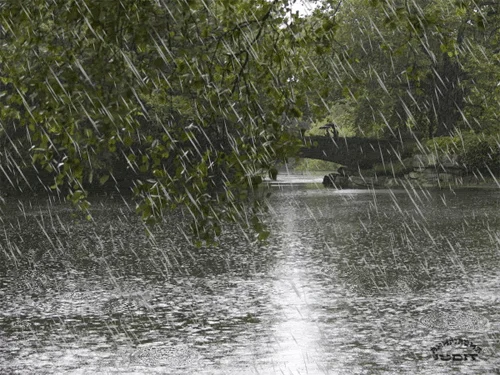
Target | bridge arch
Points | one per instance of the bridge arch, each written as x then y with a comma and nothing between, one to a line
353,152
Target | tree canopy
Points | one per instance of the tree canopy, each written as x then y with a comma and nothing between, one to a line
189,93
430,67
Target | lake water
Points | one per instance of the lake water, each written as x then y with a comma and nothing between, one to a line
350,282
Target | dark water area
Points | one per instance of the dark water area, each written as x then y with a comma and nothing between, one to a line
350,282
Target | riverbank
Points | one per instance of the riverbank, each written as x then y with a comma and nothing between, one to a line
368,180
413,181
419,171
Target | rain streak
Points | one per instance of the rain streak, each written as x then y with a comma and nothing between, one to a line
249,187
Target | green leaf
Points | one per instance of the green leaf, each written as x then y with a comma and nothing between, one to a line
103,179
127,141
264,235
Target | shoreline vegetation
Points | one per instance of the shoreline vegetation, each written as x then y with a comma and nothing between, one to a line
379,177
463,161
365,181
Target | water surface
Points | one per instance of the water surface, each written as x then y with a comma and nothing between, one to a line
350,282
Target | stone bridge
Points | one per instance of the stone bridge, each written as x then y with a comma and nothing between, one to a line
353,152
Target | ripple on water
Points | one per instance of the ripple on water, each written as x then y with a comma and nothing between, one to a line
296,316
178,356
447,320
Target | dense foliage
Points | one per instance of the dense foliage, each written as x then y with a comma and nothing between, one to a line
190,94
475,152
424,67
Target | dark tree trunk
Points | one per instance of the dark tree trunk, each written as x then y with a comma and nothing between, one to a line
447,97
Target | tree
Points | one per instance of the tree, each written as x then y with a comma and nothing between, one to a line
172,88
418,66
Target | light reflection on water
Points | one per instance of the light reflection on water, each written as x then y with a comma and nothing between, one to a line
345,285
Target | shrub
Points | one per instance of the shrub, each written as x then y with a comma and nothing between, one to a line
311,165
476,152
481,155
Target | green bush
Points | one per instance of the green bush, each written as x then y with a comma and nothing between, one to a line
445,145
311,165
481,155
476,152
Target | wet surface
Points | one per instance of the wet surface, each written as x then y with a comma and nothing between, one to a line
350,282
